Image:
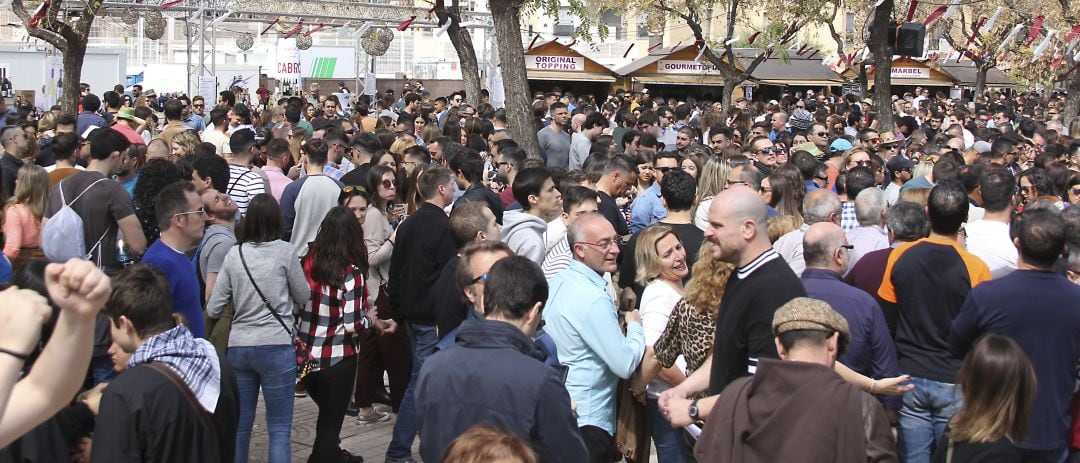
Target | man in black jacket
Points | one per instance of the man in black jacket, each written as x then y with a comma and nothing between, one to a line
424,246
468,168
144,414
495,374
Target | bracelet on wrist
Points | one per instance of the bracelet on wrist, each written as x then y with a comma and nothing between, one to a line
23,357
873,382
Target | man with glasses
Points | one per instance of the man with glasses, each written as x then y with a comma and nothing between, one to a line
182,218
195,122
667,132
764,155
198,106
870,140
581,318
647,207
819,135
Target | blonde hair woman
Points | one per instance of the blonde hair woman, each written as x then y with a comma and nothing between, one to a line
297,135
483,444
661,267
711,181
183,144
400,145
22,216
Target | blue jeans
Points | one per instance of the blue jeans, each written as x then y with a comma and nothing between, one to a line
422,339
926,411
274,369
669,441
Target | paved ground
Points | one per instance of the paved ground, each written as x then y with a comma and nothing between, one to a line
368,441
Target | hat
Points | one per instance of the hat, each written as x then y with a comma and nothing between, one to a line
898,163
868,101
888,138
801,119
127,112
839,146
982,146
809,147
149,92
804,313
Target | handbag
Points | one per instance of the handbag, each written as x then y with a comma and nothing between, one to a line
632,437
305,363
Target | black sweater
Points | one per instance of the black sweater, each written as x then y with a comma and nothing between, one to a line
422,249
744,329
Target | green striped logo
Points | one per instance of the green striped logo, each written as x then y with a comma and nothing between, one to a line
323,68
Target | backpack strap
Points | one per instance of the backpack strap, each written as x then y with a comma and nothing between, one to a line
204,416
80,195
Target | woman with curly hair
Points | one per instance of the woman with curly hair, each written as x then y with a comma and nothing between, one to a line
155,175
183,144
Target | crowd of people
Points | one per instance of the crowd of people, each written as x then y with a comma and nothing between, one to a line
779,281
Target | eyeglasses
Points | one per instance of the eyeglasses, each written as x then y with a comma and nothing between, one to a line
352,188
822,134
862,163
847,246
200,211
480,279
1075,191
874,140
388,184
198,106
602,244
769,150
664,170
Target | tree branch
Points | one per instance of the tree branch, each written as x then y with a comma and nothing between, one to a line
56,39
832,31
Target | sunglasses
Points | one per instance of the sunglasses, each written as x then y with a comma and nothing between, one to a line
822,134
664,170
388,184
1075,191
352,188
769,150
198,106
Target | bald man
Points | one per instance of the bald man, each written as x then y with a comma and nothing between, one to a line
738,234
871,350
820,205
157,149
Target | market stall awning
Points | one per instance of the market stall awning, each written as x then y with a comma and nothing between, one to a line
965,73
678,66
552,60
576,77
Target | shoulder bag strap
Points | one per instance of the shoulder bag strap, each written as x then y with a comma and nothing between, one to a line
204,416
80,195
265,301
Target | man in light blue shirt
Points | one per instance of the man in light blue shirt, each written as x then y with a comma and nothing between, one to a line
581,318
647,207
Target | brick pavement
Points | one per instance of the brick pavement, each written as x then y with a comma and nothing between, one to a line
368,441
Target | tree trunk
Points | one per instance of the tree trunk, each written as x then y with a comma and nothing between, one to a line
73,63
1072,101
729,89
506,15
883,65
462,41
980,79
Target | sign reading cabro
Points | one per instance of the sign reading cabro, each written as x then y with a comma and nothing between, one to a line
555,63
669,66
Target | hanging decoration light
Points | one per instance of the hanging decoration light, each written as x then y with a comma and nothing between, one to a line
245,41
303,42
154,26
376,41
130,16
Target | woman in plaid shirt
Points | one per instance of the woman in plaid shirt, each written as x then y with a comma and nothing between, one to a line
331,322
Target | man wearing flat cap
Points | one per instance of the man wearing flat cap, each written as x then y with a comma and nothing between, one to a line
798,408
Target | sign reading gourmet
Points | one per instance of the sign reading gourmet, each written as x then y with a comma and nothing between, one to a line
672,66
554,63
910,73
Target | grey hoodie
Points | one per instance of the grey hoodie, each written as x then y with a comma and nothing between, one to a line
524,233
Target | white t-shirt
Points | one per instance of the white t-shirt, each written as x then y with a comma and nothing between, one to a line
657,302
989,241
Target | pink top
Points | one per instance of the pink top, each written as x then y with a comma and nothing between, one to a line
278,180
20,230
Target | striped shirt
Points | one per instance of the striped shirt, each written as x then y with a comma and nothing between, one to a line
244,185
331,320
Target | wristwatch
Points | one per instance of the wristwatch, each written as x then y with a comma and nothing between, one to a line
694,411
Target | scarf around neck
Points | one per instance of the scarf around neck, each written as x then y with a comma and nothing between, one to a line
193,359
